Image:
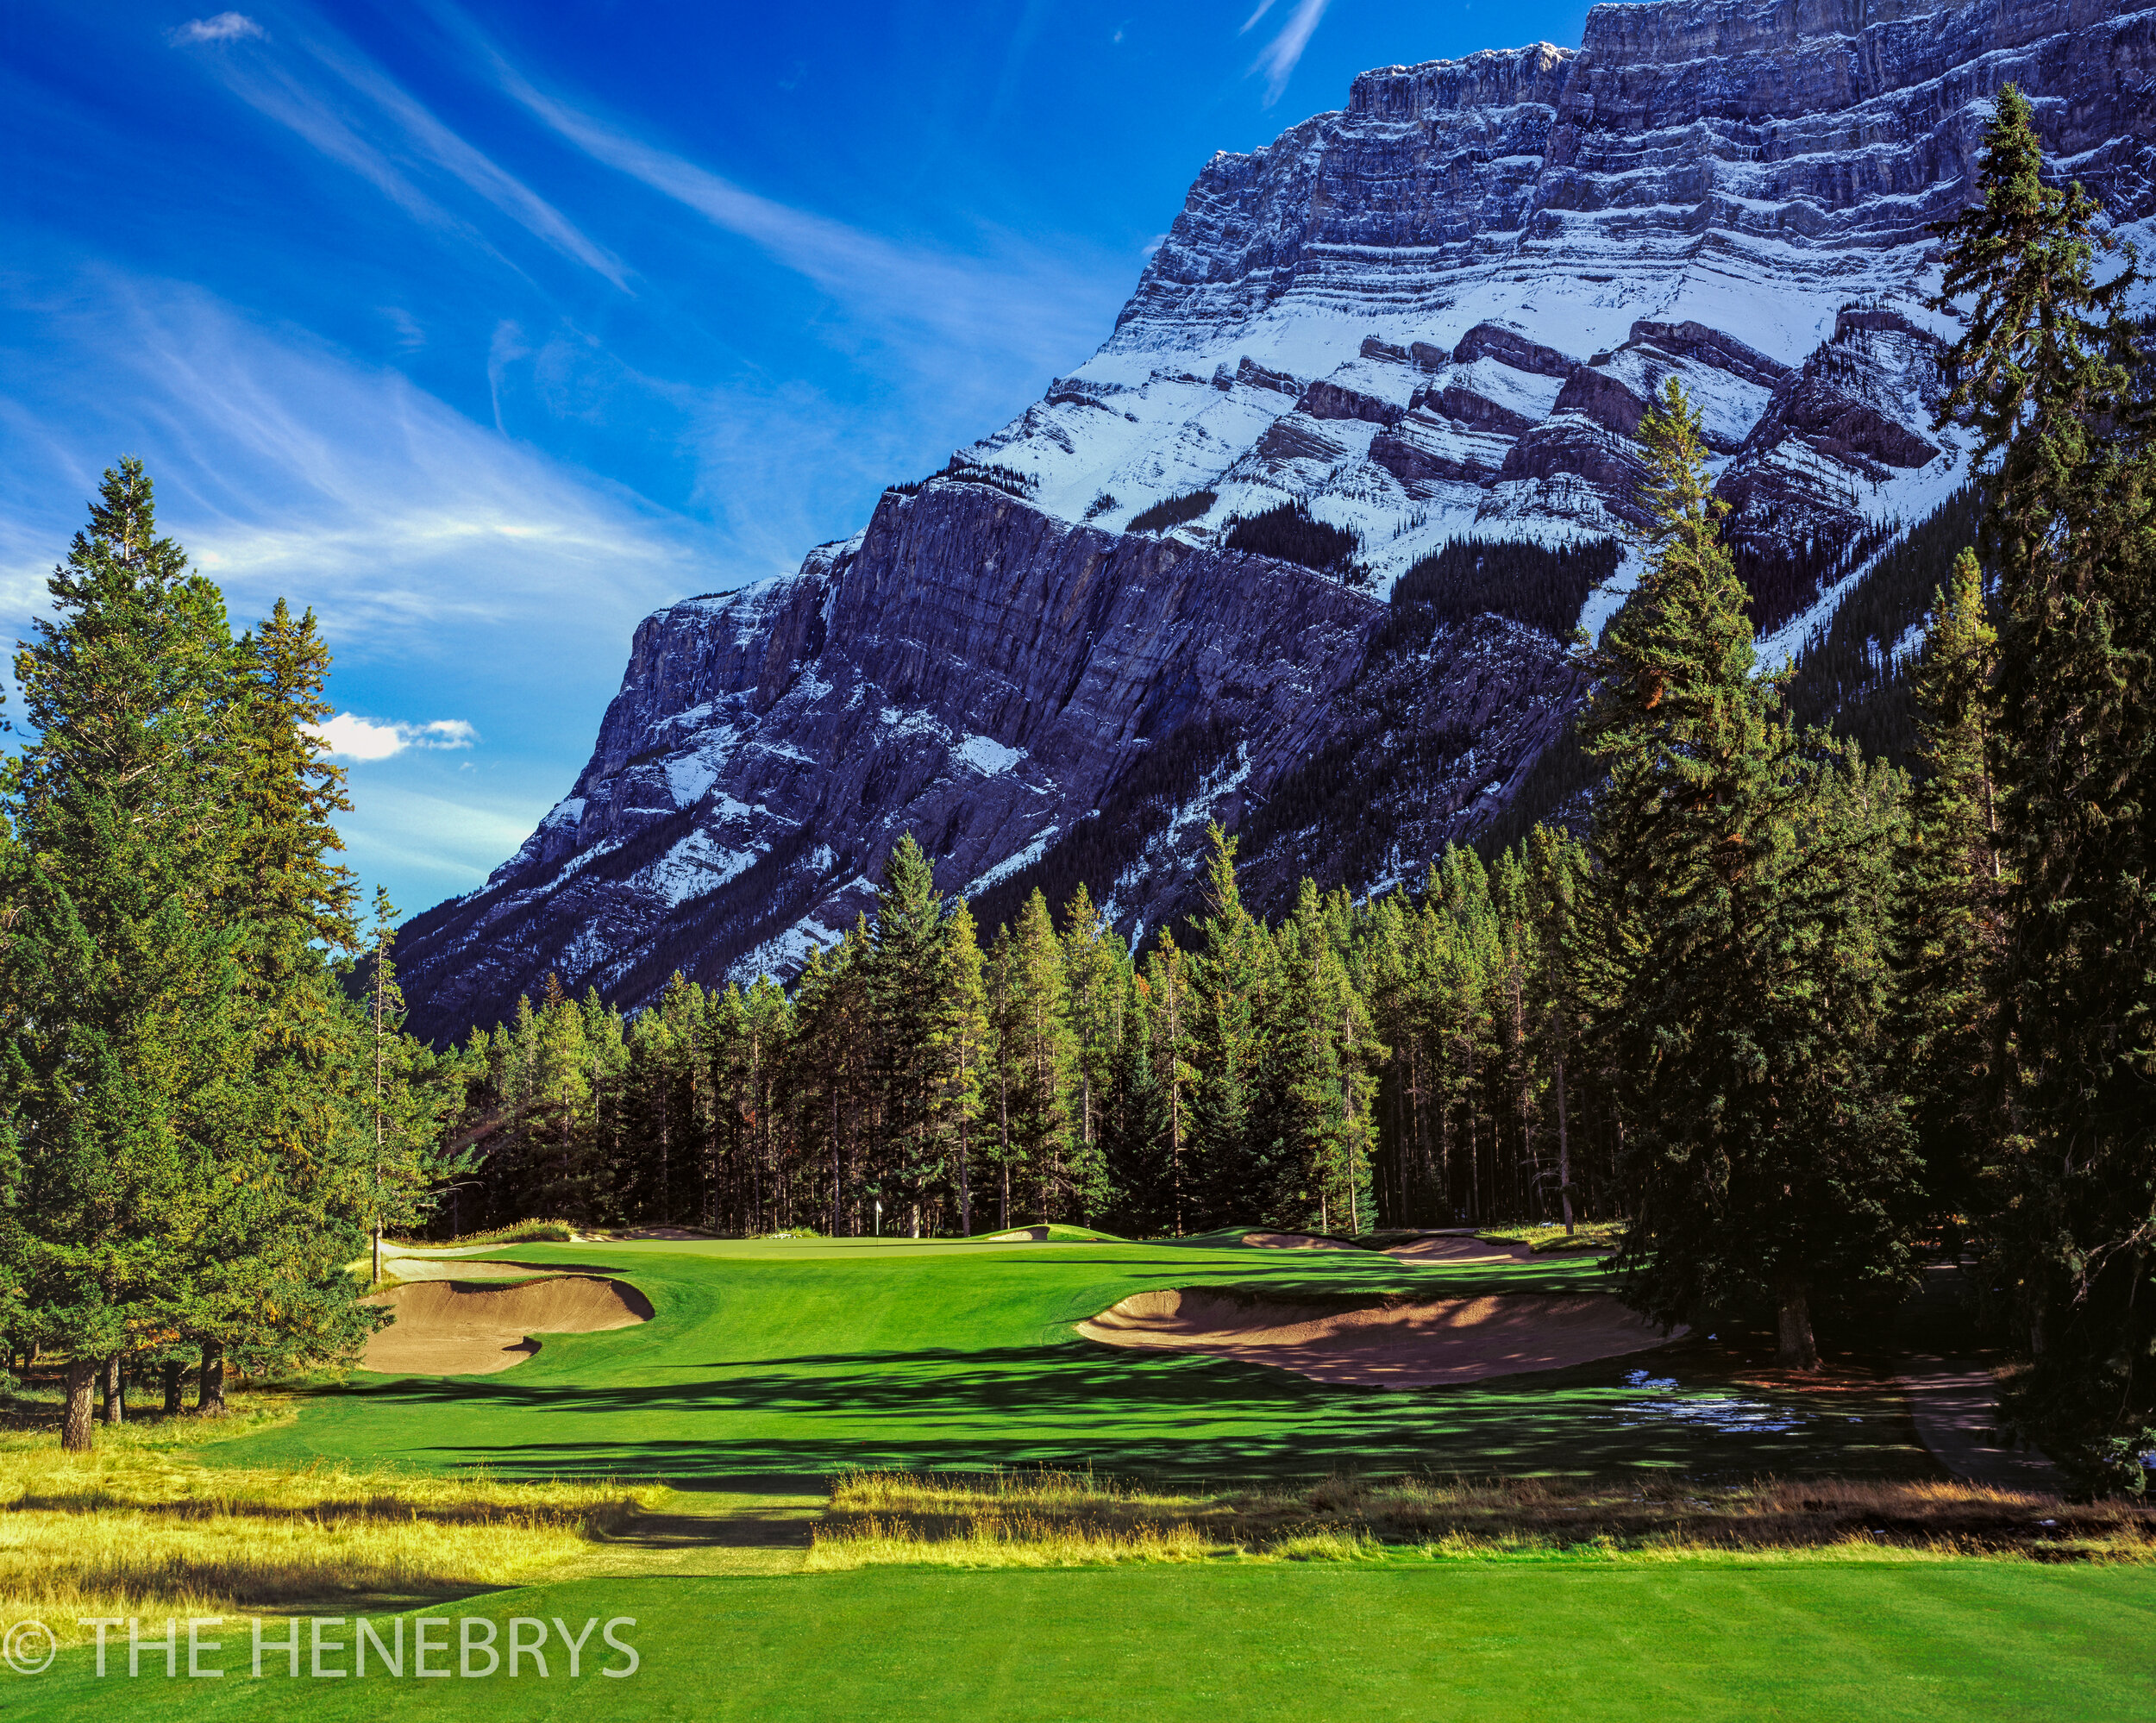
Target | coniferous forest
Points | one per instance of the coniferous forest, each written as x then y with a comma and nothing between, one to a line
1789,1011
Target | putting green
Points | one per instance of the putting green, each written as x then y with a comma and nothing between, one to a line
1467,1640
771,1364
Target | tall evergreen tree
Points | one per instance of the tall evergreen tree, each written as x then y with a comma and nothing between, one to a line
126,1058
912,1005
1039,1047
967,1040
1168,981
1229,977
1762,1164
1947,931
2051,373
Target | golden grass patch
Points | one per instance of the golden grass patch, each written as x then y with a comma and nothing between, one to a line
1069,1518
141,1527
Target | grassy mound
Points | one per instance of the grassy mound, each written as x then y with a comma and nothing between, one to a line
1048,1233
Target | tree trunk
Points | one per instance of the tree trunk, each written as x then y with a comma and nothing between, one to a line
116,1407
174,1402
77,1429
210,1384
1795,1348
1565,1151
965,1192
1003,1140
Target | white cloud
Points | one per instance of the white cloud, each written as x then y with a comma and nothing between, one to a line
1023,300
388,133
287,469
430,841
349,736
1281,54
226,27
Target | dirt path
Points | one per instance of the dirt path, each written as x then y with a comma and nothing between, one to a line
1954,1402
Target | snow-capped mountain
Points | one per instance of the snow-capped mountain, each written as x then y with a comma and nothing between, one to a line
1434,316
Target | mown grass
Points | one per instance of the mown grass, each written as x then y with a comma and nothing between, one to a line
141,1526
1065,1519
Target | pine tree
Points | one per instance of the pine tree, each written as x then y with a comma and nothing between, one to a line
1762,1163
1167,980
1947,931
1135,1136
2050,373
1558,869
126,1058
910,970
967,1039
1040,1051
1229,980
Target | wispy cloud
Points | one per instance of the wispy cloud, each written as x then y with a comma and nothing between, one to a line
349,736
386,135
1284,52
226,27
289,469
444,839
1014,299
452,568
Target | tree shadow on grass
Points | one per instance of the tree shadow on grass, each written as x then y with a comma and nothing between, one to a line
1072,1403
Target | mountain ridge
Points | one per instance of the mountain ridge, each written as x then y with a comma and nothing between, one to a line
1433,316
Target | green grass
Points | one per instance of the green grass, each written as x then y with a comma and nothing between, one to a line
771,1365
776,1363
1463,1640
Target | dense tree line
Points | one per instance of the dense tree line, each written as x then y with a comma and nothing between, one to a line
198,1123
1543,586
1788,1009
1395,1062
1290,532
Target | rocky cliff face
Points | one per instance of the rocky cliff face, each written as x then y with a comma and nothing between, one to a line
1436,315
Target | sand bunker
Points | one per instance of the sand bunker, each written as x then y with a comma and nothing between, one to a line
1020,1235
1295,1241
1451,1247
1416,1345
446,1330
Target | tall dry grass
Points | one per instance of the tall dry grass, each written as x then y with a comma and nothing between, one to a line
1067,1518
141,1526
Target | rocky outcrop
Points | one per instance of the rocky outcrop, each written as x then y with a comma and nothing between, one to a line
1576,445
971,670
1509,347
1595,394
1328,400
1438,313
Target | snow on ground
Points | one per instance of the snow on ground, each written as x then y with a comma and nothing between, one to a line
987,756
698,864
1011,864
784,953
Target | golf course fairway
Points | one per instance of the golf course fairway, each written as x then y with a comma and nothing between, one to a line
1471,1640
774,1364
769,1367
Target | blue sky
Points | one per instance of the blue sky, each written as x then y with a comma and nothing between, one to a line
487,329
